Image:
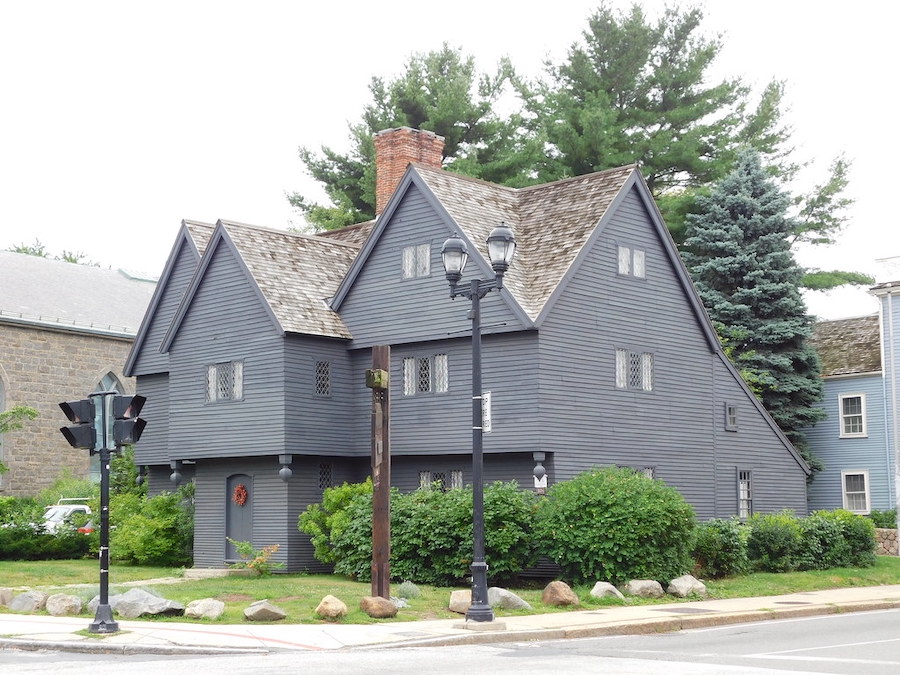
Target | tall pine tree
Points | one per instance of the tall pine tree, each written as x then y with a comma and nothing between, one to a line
738,250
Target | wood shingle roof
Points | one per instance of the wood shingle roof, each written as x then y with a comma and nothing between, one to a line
848,346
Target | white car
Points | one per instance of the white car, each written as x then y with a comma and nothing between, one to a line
57,514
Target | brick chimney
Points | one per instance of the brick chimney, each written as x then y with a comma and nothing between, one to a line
394,150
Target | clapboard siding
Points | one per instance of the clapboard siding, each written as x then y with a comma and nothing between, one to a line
506,467
227,321
586,421
851,454
440,424
382,308
153,447
315,424
149,359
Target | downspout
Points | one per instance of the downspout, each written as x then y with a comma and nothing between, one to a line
896,434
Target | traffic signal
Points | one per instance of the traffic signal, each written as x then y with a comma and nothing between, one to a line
82,434
127,426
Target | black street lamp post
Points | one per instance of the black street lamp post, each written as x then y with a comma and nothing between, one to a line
454,254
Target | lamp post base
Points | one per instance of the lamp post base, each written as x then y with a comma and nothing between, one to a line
480,609
103,621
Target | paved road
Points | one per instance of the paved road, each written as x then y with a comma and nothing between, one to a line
862,643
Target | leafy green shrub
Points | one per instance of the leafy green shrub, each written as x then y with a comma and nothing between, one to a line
822,543
616,524
69,487
159,533
774,541
885,519
859,535
325,522
720,548
431,532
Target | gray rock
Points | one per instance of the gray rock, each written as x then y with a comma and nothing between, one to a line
604,589
138,602
558,594
504,599
263,610
331,608
62,604
644,588
400,602
6,596
207,608
686,585
29,601
377,607
460,601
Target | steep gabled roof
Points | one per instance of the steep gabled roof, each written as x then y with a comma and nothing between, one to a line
352,234
192,235
552,223
59,295
848,346
293,274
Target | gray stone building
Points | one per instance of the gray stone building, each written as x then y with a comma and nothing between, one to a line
65,331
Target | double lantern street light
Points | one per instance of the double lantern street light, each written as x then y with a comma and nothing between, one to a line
454,254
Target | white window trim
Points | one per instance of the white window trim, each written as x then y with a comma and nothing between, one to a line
237,381
631,362
744,496
439,374
631,262
862,399
416,261
868,491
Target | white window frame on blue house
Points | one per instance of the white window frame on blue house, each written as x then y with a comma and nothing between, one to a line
632,262
847,495
849,419
416,261
224,381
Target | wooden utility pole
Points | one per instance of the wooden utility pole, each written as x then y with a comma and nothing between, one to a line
377,379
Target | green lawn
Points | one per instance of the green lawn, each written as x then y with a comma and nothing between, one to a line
298,594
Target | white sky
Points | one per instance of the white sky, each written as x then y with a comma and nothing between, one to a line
118,119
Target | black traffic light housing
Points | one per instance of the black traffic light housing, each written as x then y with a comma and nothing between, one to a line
127,426
82,433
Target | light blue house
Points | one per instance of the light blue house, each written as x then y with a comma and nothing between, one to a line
858,440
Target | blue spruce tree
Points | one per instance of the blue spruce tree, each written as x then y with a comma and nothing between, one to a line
739,254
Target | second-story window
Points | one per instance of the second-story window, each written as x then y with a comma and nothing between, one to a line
632,262
416,261
323,379
425,374
225,381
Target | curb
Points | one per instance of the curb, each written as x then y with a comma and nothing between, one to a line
641,626
99,647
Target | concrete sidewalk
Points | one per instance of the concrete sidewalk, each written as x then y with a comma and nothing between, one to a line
33,632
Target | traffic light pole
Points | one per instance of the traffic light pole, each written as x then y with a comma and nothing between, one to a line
103,618
103,423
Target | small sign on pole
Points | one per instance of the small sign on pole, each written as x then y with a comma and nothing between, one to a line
486,412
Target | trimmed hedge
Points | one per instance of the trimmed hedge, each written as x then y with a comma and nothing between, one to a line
720,548
615,525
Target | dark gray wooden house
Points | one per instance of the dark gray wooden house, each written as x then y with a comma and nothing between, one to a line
597,352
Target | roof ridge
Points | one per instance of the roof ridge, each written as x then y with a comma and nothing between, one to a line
447,172
570,179
286,233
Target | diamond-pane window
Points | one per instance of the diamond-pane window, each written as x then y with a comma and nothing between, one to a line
632,262
456,479
425,374
637,265
634,370
323,378
425,479
624,260
325,476
225,381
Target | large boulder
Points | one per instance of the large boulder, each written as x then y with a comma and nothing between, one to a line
686,585
558,594
377,607
331,608
263,610
63,604
604,589
29,601
644,588
460,600
138,602
207,608
504,599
